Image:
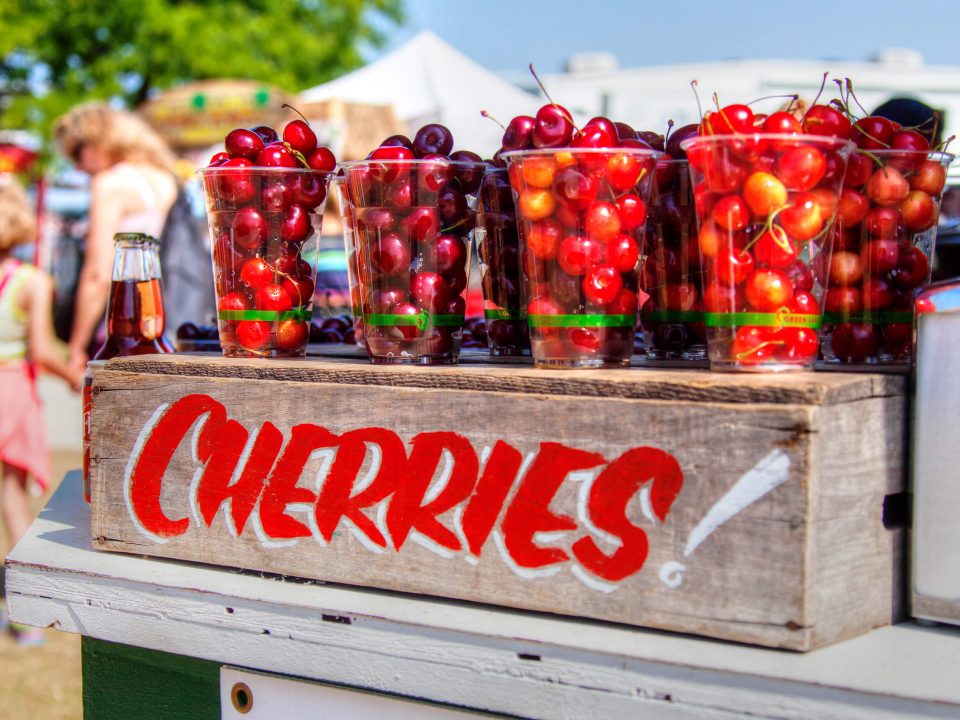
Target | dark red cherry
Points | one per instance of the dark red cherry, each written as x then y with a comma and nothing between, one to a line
428,287
594,136
243,143
236,186
398,141
301,137
391,255
451,205
409,332
266,133
322,159
295,226
309,189
433,139
576,187
422,224
653,139
277,154
275,195
382,300
678,136
434,172
390,172
468,175
553,128
519,133
451,254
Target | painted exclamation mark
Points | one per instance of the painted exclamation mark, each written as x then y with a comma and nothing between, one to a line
768,474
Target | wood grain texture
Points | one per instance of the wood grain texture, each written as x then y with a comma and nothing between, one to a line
805,565
806,388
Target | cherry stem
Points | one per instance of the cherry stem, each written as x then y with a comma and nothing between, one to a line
669,130
696,95
547,95
285,105
854,96
823,85
488,116
793,98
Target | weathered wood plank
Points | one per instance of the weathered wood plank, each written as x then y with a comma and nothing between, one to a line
775,535
806,388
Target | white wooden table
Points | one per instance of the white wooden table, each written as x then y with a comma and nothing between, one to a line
495,660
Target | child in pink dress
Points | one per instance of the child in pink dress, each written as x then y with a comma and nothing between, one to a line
26,342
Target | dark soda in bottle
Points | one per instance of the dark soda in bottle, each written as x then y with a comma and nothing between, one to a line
135,319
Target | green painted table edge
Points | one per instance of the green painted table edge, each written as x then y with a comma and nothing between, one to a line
122,682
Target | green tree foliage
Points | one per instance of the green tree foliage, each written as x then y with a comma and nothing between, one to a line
56,53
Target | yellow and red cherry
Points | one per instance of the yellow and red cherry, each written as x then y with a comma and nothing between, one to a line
843,300
845,268
803,219
577,254
233,301
731,213
768,290
602,284
623,170
433,139
804,303
542,238
852,207
722,298
826,121
299,289
277,154
732,266
801,168
623,253
753,345
292,334
799,344
253,334
543,305
602,221
272,297
774,248
930,177
256,273
887,186
575,187
731,119
764,192
919,211
724,175
912,269
250,228
536,204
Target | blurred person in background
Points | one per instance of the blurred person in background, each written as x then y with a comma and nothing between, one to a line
26,342
132,189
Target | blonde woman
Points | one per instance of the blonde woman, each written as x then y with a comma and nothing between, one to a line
26,341
132,189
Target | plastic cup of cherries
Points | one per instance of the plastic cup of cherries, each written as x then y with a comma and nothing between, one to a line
883,244
411,215
265,196
766,195
581,203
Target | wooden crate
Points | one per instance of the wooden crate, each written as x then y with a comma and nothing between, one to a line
742,507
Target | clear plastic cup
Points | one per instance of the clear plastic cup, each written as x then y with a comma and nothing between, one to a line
412,229
264,229
883,251
498,249
349,247
581,214
672,318
765,208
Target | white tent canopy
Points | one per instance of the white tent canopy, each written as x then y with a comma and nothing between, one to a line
427,80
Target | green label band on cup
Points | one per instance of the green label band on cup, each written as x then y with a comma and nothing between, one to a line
673,315
421,320
868,317
268,315
542,321
501,314
777,319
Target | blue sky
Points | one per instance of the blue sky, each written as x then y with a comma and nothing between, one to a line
509,34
